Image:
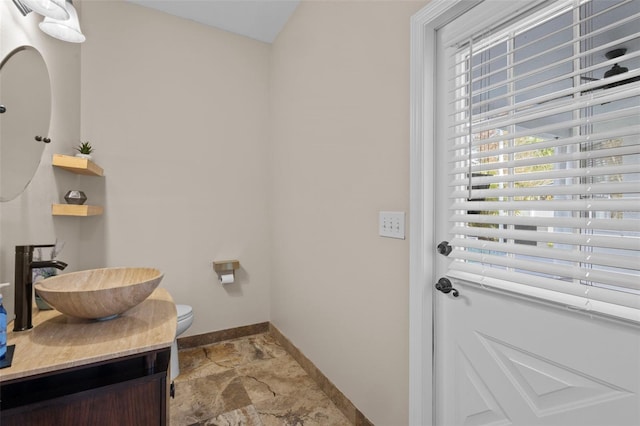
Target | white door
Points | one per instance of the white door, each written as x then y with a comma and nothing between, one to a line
520,356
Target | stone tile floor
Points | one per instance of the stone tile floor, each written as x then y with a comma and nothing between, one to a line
250,381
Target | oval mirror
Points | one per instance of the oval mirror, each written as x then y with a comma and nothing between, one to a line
25,113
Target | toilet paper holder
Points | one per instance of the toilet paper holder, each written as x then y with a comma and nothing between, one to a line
225,269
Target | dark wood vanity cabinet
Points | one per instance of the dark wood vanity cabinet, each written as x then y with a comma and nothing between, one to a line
127,391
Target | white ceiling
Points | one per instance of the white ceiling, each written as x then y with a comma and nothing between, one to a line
258,19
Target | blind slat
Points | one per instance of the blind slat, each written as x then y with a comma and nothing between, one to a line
627,113
584,240
551,143
557,158
551,190
619,261
554,174
564,107
549,268
578,223
589,205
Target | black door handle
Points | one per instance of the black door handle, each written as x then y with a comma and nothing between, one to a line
445,286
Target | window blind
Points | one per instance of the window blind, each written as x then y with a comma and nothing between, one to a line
544,151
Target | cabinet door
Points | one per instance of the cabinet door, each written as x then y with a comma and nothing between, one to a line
136,402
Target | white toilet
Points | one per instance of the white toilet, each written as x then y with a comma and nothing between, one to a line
185,319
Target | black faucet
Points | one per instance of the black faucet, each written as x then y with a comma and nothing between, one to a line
24,283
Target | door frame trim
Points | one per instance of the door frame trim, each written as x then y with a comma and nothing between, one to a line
424,25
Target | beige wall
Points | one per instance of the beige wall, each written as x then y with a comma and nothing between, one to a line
178,115
27,219
340,154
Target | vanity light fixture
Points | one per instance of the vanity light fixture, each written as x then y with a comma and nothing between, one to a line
64,29
60,18
52,8
21,7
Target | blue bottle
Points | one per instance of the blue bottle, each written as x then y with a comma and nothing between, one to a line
3,330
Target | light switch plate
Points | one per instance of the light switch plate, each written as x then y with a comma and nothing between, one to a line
391,225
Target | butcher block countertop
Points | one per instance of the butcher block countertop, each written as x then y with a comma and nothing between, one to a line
58,342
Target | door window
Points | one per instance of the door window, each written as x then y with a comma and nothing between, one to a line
544,151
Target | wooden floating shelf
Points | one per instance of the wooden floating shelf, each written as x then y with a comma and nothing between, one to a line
78,165
75,210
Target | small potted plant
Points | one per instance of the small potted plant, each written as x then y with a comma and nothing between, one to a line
84,150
